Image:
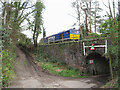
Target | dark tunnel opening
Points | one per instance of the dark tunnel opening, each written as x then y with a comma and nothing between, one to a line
97,64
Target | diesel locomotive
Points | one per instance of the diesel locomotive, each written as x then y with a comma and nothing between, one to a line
68,35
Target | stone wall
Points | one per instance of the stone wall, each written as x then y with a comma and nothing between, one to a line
70,53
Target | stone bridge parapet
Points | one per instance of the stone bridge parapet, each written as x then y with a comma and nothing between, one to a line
72,53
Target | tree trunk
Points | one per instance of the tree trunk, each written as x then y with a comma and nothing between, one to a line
78,10
114,8
34,38
15,27
81,35
3,15
119,44
111,16
86,26
95,19
110,65
90,17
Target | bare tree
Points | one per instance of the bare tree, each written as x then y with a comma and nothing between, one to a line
77,5
90,17
95,16
112,11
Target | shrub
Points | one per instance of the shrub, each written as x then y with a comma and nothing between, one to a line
8,74
93,35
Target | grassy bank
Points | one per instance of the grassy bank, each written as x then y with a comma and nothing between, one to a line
57,67
8,57
61,70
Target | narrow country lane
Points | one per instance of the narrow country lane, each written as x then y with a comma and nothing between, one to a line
29,75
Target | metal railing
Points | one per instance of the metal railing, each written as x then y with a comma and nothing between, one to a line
104,46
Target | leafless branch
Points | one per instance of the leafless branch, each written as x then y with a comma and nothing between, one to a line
72,16
29,7
105,4
25,16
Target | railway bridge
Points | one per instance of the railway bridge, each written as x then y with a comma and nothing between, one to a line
94,55
86,55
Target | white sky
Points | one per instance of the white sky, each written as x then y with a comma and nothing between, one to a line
57,16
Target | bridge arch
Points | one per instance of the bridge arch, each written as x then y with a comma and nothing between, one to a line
96,63
99,51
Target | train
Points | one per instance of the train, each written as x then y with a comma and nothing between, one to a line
68,35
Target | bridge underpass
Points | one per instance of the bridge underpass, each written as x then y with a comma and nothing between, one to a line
97,64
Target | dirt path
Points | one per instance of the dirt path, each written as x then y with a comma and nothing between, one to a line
29,75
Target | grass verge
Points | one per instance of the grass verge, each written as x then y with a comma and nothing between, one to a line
54,66
61,70
8,57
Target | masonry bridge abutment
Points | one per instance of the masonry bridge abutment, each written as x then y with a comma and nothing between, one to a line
78,55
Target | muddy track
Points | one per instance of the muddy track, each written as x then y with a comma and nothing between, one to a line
29,75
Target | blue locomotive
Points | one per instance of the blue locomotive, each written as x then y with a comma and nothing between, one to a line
71,34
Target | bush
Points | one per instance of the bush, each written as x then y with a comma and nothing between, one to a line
8,74
93,35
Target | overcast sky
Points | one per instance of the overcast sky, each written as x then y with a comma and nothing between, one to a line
57,16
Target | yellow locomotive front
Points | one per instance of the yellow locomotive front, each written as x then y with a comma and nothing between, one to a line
74,34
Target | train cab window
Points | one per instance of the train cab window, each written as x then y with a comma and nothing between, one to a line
72,31
67,32
77,32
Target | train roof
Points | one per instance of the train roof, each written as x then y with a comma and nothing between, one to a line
61,32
